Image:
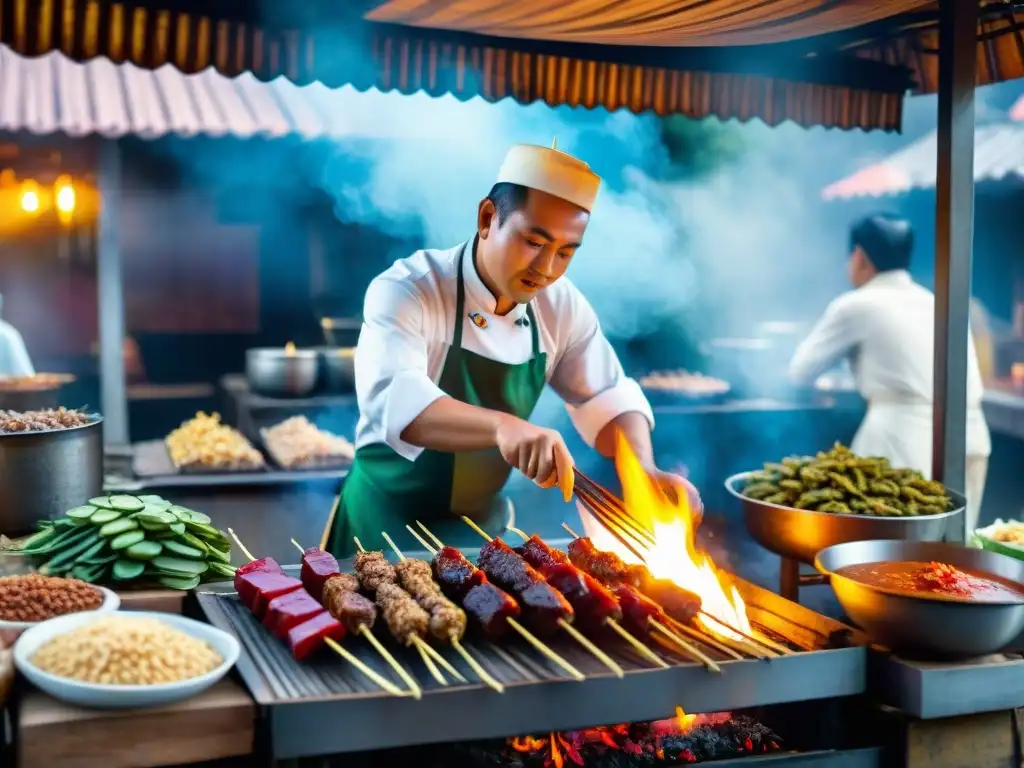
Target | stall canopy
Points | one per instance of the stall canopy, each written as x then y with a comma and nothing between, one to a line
816,62
998,155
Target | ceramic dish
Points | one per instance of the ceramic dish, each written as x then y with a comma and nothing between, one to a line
122,696
111,602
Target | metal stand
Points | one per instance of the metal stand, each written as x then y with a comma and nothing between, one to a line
789,579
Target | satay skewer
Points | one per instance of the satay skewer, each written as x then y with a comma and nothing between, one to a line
522,631
385,685
569,629
485,677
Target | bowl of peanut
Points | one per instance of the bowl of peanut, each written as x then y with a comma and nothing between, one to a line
28,599
124,660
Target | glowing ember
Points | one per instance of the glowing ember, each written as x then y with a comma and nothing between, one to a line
674,555
289,349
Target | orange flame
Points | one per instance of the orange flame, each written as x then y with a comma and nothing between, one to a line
289,349
674,555
685,721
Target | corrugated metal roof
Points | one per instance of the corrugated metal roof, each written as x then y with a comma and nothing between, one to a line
53,94
998,154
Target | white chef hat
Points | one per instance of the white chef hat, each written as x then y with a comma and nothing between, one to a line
552,171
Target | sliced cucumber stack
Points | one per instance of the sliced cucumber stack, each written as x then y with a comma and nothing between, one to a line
123,538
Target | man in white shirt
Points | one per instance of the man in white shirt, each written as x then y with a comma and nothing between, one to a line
885,326
457,346
14,359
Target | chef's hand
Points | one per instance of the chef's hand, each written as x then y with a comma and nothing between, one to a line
538,453
675,487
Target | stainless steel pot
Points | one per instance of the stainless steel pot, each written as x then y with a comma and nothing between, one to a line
281,372
337,369
924,626
44,474
801,533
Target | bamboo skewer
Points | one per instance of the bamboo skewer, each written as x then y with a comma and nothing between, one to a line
523,632
613,625
574,633
385,685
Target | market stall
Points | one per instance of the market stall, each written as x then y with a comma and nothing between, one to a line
729,645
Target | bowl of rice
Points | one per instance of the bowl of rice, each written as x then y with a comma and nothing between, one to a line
124,660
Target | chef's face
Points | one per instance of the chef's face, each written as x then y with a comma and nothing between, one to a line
532,247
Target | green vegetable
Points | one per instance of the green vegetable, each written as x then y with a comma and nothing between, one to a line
179,566
126,570
102,516
220,569
183,550
101,502
126,503
66,557
119,526
126,540
144,550
214,556
93,551
81,513
178,528
175,582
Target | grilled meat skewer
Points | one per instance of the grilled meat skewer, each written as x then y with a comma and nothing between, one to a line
488,605
447,620
403,616
543,605
342,599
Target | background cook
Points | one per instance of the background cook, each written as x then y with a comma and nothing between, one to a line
456,348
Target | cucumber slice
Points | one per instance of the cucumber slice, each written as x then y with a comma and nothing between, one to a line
101,502
216,556
126,503
167,533
195,517
151,526
222,570
195,541
126,540
177,528
179,565
153,499
182,550
181,513
119,526
174,582
156,517
103,516
126,570
81,513
63,523
144,550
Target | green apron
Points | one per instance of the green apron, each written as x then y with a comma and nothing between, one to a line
386,492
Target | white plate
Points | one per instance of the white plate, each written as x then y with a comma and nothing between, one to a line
122,696
111,602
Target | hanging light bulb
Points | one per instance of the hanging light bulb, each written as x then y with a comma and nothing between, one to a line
65,195
30,202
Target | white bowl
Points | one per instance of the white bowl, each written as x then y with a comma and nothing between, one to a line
121,696
111,602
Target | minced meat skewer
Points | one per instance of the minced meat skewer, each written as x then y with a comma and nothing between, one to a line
373,569
447,620
405,619
342,600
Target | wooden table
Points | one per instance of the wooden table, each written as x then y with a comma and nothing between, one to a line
215,725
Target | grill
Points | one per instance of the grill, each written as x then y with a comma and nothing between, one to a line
324,706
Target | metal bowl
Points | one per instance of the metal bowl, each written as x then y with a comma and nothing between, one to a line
32,393
44,474
926,626
337,369
801,533
279,372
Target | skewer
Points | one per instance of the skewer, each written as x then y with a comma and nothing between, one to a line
574,633
613,625
330,521
482,673
720,641
367,633
707,640
523,632
613,507
385,685
433,652
770,647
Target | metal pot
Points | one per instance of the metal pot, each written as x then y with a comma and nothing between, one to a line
801,533
281,372
926,626
44,474
337,369
32,393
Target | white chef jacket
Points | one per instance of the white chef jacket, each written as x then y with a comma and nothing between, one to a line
408,324
886,329
14,359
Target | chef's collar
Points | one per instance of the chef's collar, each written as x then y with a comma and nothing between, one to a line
894,277
478,295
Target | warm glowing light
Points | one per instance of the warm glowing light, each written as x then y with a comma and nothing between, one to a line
289,349
30,201
674,555
684,720
65,198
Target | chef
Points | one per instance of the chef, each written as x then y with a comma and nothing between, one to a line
456,348
885,327
14,359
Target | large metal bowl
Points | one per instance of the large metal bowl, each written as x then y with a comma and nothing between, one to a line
922,626
44,474
281,372
337,369
801,533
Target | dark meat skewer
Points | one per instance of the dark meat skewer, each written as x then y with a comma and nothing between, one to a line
544,607
593,603
679,603
488,605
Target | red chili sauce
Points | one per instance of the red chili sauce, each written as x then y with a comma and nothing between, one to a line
935,579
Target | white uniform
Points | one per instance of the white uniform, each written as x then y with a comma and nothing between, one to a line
886,329
407,327
14,359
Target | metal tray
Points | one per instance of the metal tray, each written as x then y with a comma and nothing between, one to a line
324,706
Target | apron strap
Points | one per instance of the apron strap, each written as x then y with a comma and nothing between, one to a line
460,307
